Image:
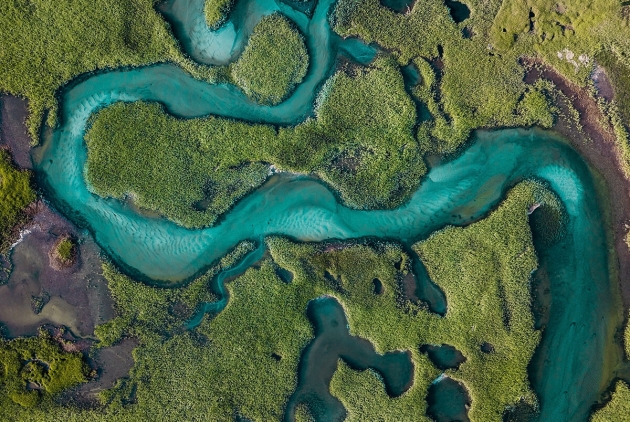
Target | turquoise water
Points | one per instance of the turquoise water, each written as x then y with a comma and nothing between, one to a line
456,192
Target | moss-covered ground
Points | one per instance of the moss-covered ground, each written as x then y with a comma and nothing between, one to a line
361,141
34,370
273,62
16,192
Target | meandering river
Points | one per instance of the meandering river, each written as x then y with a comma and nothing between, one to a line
456,192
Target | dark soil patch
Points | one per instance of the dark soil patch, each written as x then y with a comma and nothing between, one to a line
602,84
409,285
13,133
76,297
112,363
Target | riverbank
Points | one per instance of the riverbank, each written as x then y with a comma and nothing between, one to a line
597,144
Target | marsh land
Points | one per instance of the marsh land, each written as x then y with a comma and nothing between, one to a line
315,210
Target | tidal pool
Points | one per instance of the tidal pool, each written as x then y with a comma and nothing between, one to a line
584,297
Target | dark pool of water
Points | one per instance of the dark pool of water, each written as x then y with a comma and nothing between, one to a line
412,77
400,6
284,274
448,401
443,356
459,11
426,290
319,362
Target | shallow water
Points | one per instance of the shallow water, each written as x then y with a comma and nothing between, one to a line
455,192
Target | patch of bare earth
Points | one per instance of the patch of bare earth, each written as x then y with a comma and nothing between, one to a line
13,133
35,293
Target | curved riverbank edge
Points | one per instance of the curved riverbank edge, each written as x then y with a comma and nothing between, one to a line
597,144
600,151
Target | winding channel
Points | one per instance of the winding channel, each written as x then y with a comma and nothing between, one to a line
465,189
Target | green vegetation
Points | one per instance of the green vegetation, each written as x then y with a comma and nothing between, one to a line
619,75
66,249
561,33
361,142
464,85
216,12
471,76
365,399
15,194
46,44
192,180
226,366
492,259
35,369
273,62
484,271
143,310
618,408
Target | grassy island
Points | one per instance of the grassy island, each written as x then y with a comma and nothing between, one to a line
216,12
63,253
34,370
273,62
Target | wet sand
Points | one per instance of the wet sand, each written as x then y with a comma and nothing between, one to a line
112,363
35,293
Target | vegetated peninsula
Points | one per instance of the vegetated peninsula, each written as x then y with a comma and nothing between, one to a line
362,210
